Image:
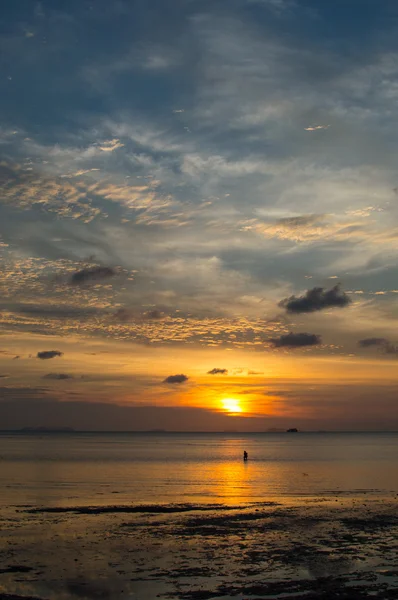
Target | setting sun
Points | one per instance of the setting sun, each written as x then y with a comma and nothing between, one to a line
232,405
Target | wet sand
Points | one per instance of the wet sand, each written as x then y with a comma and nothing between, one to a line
338,547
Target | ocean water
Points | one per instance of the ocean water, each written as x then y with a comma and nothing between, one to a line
68,469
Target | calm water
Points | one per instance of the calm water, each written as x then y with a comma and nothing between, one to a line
75,469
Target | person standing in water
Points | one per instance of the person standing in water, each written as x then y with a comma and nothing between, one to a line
245,455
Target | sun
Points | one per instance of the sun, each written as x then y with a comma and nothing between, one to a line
231,405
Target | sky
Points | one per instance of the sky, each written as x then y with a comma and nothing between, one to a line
199,215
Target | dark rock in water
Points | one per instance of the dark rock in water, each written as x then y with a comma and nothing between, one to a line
16,569
16,597
142,508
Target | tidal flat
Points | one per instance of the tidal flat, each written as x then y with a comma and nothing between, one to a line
334,547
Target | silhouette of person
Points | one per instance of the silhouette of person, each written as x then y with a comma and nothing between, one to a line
245,455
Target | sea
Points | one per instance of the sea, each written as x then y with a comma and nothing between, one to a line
61,469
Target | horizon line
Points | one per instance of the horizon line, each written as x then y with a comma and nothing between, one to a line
169,431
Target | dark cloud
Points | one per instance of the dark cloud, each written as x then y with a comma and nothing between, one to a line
57,376
10,393
91,274
367,342
49,354
300,221
54,312
391,348
124,314
176,379
154,314
216,371
296,340
383,344
316,299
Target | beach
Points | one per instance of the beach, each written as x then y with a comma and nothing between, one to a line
336,547
340,544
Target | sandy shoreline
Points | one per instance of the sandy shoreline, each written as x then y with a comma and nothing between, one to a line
307,548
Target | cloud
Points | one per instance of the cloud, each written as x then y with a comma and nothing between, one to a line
154,314
57,187
367,342
46,354
110,145
316,299
316,127
124,315
341,226
54,312
57,376
383,344
216,371
176,379
300,221
127,314
16,394
47,191
391,348
296,340
91,274
250,83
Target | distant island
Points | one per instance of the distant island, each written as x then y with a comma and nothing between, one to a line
46,430
292,430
